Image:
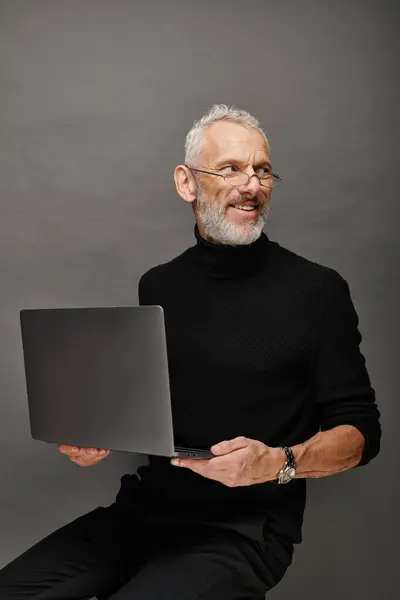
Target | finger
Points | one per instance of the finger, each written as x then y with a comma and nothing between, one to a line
188,462
196,465
85,461
89,452
97,451
83,452
64,449
76,451
80,452
228,446
218,463
99,454
207,468
92,451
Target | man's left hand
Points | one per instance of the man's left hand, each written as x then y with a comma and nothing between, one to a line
238,462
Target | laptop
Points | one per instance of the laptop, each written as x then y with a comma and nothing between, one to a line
98,377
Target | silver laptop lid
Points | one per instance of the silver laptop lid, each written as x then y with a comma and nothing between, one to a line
98,377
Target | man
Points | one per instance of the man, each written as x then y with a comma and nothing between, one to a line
265,368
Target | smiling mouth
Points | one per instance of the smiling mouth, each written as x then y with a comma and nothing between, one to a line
245,208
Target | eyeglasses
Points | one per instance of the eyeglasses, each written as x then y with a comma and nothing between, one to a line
240,179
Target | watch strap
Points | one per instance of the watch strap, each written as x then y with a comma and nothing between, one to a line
290,463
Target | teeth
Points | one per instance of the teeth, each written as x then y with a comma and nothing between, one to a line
245,207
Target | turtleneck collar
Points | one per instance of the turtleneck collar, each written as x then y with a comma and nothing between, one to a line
227,262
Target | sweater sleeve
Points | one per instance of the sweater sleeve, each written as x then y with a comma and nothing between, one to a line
145,290
343,392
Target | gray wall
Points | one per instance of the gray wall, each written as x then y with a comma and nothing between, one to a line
95,100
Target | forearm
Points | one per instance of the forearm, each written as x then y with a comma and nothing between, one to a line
329,452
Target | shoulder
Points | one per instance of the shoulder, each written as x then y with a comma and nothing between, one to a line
309,276
162,273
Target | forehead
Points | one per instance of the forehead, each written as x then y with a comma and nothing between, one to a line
234,141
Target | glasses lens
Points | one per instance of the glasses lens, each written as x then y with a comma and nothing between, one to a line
237,178
269,181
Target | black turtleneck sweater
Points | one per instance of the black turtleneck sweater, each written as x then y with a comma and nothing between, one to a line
262,343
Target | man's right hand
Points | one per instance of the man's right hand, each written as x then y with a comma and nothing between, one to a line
84,457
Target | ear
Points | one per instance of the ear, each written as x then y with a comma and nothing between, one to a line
185,183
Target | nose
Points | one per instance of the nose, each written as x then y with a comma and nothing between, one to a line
253,186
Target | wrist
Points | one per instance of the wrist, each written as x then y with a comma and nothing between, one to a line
279,461
299,452
287,471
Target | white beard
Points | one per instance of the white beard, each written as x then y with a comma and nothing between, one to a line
218,227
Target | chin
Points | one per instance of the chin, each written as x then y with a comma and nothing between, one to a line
238,234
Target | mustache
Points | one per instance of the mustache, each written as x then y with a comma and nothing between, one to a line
205,204
240,202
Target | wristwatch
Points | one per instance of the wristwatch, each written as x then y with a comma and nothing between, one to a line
288,470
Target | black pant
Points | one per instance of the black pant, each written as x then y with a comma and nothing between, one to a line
123,554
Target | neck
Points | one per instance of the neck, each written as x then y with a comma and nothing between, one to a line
227,262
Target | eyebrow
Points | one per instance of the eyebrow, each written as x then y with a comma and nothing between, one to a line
259,163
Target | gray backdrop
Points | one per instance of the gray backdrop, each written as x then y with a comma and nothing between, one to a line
95,100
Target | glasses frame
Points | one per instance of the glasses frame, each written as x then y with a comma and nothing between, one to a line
278,177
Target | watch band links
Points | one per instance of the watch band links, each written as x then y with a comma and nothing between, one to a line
289,456
289,464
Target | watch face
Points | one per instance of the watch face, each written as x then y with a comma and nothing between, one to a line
287,475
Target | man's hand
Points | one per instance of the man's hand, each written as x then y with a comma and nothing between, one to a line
84,457
238,462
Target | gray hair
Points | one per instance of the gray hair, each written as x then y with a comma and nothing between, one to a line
219,112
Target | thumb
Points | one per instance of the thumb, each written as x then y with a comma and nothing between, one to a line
228,446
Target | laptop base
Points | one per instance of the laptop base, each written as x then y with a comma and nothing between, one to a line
192,453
